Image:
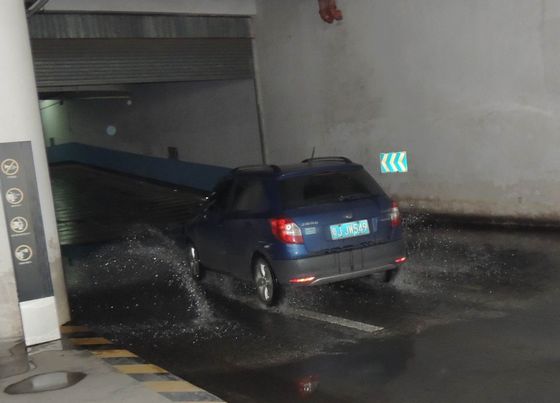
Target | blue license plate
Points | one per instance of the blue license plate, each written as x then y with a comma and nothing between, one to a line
349,229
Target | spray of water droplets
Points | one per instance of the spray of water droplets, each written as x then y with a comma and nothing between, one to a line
142,281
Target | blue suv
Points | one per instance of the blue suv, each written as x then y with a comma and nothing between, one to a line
317,222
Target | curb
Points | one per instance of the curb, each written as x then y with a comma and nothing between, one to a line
151,376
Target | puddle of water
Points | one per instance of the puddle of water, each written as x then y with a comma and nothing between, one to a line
15,361
45,383
56,345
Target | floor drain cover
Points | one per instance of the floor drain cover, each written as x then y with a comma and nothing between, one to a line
45,382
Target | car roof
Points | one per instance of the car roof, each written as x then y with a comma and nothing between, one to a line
315,167
306,167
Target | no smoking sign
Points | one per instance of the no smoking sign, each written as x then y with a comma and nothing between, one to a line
22,215
9,167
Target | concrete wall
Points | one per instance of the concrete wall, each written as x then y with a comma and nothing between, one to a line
470,88
198,176
209,7
212,123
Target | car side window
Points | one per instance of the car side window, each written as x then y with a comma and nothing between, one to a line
222,190
249,196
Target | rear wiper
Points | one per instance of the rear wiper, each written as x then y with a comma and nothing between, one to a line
354,196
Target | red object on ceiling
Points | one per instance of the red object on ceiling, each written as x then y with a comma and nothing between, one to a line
329,12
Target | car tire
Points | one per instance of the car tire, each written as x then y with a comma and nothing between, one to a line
390,275
266,284
193,263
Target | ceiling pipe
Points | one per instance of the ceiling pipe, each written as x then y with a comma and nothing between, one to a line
329,12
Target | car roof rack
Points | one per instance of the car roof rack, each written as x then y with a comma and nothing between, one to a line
334,158
274,168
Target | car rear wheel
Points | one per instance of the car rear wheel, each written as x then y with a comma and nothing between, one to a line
267,286
193,263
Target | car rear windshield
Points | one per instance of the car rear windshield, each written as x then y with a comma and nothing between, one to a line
327,187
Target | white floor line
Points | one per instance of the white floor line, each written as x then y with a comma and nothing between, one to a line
334,320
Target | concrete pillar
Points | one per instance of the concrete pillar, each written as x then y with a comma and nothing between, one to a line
10,323
20,122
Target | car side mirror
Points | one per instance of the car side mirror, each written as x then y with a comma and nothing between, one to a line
205,201
208,197
212,206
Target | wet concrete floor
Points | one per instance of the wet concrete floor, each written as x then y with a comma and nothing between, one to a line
13,358
45,383
473,317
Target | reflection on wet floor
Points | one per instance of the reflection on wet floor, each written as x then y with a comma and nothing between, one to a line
13,359
471,318
137,291
45,382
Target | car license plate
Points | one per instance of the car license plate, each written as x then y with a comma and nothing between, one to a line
349,229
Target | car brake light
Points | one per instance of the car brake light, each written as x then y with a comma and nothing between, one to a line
400,260
286,230
302,280
395,215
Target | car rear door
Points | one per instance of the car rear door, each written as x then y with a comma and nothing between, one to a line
245,223
211,238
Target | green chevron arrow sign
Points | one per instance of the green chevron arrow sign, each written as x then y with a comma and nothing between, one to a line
393,162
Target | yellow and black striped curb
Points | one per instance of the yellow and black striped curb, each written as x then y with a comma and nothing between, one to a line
153,377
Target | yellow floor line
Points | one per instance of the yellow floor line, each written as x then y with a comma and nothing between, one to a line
158,386
114,354
140,369
89,341
73,329
171,386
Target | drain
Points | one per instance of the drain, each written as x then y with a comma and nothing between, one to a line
45,382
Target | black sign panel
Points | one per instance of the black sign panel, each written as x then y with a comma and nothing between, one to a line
18,189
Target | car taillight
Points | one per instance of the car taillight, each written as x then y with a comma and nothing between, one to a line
395,215
286,230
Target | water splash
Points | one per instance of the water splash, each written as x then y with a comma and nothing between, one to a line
139,268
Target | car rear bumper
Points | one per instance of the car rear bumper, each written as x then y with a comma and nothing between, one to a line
340,266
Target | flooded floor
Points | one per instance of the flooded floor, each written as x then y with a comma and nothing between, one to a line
473,317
